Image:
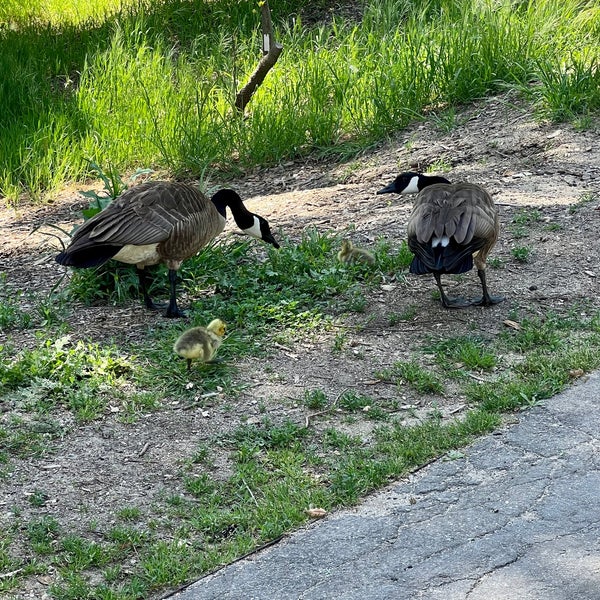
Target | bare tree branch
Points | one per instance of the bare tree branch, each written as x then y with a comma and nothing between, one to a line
271,51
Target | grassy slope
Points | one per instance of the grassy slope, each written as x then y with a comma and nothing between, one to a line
153,86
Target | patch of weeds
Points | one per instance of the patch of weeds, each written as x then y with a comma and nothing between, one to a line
11,316
408,314
314,399
355,300
390,259
522,254
267,435
127,538
495,263
511,393
553,227
43,534
412,373
38,498
79,553
441,165
333,438
534,334
133,404
469,352
129,513
80,376
200,485
111,282
201,455
519,231
353,402
27,438
339,341
446,121
527,216
583,200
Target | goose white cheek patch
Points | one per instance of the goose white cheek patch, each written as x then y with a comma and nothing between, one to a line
412,187
254,231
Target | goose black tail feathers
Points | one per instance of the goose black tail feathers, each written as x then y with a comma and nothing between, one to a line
86,257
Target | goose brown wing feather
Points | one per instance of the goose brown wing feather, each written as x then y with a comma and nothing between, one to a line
149,213
462,211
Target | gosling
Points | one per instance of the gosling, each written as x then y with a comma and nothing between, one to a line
350,254
200,343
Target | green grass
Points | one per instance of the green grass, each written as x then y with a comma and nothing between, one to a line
153,84
415,375
277,467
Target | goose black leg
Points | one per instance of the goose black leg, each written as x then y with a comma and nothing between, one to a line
144,283
449,302
486,299
172,310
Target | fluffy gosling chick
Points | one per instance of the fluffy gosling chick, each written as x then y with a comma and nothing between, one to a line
351,255
200,343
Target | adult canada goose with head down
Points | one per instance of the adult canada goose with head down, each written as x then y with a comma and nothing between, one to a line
159,222
451,227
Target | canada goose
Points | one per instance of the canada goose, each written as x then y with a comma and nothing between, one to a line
200,343
159,222
350,254
451,226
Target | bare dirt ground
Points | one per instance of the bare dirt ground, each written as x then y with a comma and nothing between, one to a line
523,162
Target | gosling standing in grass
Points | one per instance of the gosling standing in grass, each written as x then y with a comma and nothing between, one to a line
350,254
200,343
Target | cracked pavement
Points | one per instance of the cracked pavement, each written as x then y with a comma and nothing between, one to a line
515,516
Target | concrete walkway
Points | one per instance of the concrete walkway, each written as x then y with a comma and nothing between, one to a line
516,516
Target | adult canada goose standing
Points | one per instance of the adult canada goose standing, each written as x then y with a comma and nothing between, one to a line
451,226
200,343
159,222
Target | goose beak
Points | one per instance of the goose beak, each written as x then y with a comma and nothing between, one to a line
388,189
268,237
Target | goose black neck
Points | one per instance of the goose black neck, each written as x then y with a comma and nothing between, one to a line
229,198
425,180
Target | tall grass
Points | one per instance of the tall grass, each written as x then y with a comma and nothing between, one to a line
153,84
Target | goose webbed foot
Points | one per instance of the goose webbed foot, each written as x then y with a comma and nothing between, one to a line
449,302
173,312
455,302
487,301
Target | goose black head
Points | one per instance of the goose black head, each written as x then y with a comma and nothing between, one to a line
411,183
251,224
260,229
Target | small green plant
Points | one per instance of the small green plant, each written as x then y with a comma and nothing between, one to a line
412,373
43,534
129,513
495,262
114,186
553,227
339,341
522,254
583,200
38,498
527,216
464,352
314,399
